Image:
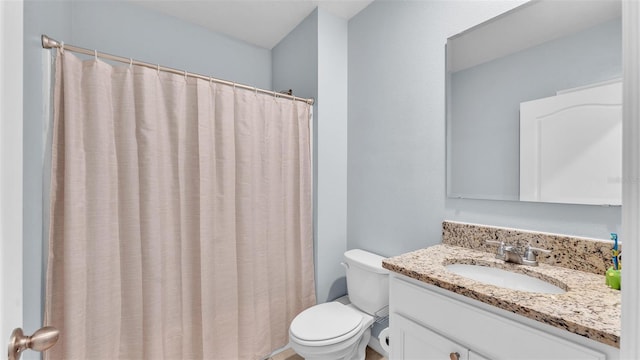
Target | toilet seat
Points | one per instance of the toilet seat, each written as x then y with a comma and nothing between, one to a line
326,324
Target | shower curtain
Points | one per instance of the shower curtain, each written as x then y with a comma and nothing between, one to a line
180,223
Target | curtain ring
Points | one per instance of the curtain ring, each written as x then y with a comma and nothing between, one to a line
95,54
62,47
234,86
185,75
158,69
210,80
130,63
255,89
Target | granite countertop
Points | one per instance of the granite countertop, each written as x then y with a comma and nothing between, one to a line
588,307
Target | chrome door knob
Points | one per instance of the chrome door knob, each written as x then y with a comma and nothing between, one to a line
41,340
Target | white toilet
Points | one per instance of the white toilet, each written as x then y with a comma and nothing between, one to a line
334,331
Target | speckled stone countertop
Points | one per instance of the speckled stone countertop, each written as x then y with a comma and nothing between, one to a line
578,253
588,307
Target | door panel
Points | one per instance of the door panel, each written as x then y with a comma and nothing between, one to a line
10,168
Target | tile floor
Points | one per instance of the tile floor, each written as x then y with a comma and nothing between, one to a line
291,355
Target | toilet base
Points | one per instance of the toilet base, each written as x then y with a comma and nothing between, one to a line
356,351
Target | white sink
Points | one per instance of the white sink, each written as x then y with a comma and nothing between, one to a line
504,278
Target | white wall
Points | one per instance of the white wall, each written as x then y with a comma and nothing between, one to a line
396,138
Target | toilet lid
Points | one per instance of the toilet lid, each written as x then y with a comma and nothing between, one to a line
325,321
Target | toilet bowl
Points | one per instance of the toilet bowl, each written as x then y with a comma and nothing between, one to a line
334,331
331,331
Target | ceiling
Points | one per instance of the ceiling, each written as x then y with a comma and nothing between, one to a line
260,22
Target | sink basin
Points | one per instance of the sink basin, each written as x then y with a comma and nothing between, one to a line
503,278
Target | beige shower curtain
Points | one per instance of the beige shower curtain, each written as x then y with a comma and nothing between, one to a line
180,220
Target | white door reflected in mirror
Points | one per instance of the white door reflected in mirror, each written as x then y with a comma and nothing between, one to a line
571,146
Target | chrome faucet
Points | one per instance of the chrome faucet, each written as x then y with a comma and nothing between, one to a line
508,253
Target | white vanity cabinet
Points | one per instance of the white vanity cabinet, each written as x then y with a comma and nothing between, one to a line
431,323
419,342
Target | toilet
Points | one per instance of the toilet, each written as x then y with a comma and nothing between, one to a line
334,331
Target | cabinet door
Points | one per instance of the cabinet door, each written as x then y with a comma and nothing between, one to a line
411,341
494,336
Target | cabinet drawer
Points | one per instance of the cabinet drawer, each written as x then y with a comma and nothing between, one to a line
419,342
492,335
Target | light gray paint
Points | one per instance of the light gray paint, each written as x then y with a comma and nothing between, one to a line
395,186
132,31
53,18
485,103
396,127
295,59
396,140
122,29
312,60
332,154
295,66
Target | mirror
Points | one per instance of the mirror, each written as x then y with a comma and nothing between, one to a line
541,52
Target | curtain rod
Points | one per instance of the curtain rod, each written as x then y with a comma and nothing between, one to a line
49,43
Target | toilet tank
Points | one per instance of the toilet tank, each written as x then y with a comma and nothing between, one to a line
367,281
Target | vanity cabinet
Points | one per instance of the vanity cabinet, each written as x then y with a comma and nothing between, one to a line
429,323
419,342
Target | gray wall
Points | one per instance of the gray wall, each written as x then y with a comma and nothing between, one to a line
485,120
331,130
128,30
392,197
295,66
121,29
54,19
295,59
396,138
312,59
